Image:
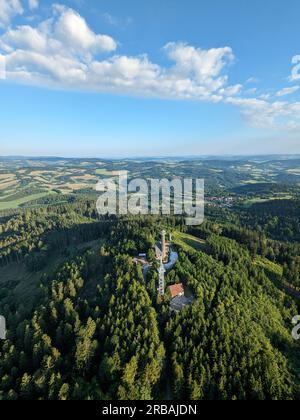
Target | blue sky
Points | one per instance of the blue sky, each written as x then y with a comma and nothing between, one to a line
134,78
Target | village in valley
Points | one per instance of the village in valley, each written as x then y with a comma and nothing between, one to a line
167,258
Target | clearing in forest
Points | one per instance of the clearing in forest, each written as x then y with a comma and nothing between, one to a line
189,242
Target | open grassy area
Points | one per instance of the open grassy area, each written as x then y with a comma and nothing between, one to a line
294,171
28,185
14,204
257,200
7,184
189,242
22,284
24,180
102,172
269,266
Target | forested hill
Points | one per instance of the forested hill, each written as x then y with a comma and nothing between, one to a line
83,323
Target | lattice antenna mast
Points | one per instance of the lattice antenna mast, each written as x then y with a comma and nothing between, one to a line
161,274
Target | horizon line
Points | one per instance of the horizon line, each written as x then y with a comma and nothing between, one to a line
205,156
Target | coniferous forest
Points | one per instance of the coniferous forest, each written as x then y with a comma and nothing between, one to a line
149,203
84,323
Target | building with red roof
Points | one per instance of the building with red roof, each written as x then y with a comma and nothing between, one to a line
176,290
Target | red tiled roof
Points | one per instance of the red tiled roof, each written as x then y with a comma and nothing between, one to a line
176,289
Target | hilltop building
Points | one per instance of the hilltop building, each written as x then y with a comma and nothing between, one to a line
167,258
176,290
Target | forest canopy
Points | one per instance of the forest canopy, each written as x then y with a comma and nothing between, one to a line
85,323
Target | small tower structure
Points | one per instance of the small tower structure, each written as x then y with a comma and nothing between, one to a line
161,274
163,245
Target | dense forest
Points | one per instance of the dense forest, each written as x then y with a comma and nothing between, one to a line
85,323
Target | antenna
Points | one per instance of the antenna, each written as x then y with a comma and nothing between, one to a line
161,274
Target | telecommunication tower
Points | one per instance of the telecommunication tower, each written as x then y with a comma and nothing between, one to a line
161,273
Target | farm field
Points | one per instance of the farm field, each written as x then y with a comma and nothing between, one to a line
258,200
22,186
24,182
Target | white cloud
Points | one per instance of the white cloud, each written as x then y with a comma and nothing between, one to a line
252,80
117,21
8,10
204,66
265,96
72,31
64,52
65,35
278,115
252,91
23,38
33,4
287,91
231,90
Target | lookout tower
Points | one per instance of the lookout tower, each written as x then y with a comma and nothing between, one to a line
163,245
